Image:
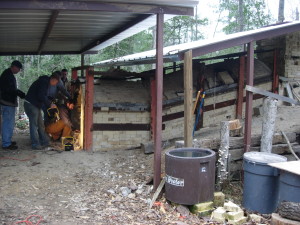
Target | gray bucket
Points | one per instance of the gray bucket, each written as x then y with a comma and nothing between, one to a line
261,181
289,187
190,175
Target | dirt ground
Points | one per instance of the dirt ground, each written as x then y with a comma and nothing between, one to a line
93,188
81,188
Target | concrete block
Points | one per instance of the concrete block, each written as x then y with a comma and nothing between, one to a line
147,148
231,207
201,207
219,199
238,222
234,215
255,218
219,215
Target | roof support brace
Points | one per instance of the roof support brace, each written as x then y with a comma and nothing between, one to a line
48,30
249,96
159,103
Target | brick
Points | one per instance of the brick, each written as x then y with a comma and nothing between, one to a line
255,218
205,213
201,207
231,207
219,215
219,199
234,215
238,222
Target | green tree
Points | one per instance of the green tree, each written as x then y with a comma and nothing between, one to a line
254,12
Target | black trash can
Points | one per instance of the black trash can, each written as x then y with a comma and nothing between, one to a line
261,181
190,175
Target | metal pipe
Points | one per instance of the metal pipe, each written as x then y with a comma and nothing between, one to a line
240,90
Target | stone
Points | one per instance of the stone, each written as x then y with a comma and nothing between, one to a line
231,207
234,215
219,199
255,218
200,207
183,210
219,215
238,222
125,191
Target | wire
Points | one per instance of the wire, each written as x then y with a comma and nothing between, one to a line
21,160
27,222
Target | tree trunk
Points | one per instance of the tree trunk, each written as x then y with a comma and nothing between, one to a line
268,126
281,11
241,16
223,155
289,210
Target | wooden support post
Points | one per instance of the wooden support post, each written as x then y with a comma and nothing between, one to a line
275,83
88,110
249,96
159,97
240,91
188,99
223,154
153,107
268,126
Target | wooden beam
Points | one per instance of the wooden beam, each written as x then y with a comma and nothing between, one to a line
240,90
48,30
272,95
159,99
88,111
96,6
188,99
249,96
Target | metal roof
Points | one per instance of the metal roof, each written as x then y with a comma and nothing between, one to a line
79,26
202,47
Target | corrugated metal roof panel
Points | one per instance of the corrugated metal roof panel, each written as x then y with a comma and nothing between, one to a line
174,51
32,27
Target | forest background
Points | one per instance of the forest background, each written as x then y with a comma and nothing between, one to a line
229,16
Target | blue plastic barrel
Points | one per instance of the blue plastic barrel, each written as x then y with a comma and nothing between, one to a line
289,187
261,181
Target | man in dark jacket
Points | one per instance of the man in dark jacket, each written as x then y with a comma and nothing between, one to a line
8,102
36,97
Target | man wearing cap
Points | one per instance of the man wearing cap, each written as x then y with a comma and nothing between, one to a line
8,102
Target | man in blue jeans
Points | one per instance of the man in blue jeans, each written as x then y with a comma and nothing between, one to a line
36,97
8,103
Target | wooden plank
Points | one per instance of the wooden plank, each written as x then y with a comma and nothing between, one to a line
272,95
188,98
291,166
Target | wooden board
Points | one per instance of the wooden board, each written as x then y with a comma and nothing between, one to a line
291,166
278,220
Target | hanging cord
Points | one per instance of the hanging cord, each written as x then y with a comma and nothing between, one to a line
27,222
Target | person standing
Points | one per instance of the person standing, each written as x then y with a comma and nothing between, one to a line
36,97
8,102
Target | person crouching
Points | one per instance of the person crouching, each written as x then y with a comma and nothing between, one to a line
59,124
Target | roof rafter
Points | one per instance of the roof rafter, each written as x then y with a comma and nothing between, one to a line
48,30
95,6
